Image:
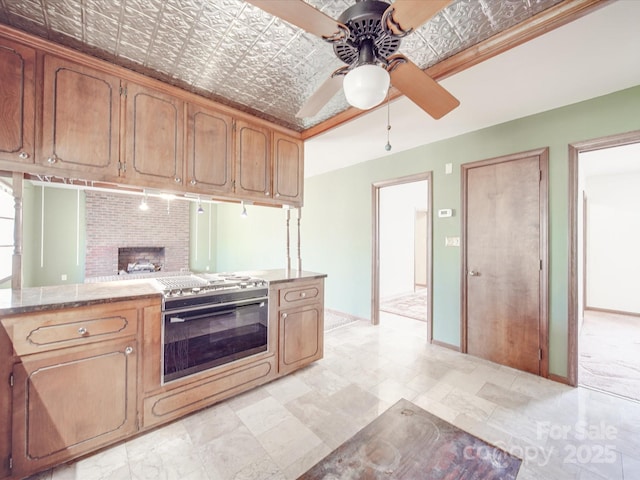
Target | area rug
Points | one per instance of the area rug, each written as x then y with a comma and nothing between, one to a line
408,443
413,305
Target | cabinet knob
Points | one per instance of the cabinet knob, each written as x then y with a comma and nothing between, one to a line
177,180
23,155
193,181
267,193
303,294
473,273
128,350
284,315
52,159
82,331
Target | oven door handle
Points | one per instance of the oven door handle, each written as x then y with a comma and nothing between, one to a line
237,303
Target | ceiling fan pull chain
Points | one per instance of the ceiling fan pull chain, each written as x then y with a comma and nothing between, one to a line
387,147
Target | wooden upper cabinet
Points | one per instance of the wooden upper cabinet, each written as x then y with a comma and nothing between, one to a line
17,102
153,137
80,119
209,150
253,160
288,165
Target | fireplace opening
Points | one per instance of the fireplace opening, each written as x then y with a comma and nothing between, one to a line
140,259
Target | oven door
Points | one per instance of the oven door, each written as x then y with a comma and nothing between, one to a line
197,339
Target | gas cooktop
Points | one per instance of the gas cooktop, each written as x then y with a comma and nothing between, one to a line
207,283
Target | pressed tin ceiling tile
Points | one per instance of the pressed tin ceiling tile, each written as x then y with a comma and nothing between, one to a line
238,54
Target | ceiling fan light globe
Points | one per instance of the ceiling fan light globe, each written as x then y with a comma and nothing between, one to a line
366,86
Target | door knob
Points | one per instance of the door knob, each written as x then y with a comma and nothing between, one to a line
473,273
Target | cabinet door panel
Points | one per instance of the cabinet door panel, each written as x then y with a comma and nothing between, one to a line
253,168
17,108
288,169
209,156
301,337
154,135
81,118
73,402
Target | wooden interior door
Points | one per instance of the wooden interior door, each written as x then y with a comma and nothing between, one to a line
504,287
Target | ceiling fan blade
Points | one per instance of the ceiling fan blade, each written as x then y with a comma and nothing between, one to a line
423,90
410,14
302,15
321,96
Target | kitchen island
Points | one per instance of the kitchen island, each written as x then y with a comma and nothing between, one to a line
85,364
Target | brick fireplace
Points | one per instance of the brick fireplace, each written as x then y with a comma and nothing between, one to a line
114,222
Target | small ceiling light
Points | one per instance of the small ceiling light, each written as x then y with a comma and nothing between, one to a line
144,206
200,209
244,211
366,86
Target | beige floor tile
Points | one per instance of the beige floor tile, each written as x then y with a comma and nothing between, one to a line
263,415
289,441
279,430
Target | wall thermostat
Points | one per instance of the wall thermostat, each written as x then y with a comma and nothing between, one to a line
445,212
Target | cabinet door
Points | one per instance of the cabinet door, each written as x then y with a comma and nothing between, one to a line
253,160
72,401
154,137
6,365
80,119
300,333
288,165
17,107
209,153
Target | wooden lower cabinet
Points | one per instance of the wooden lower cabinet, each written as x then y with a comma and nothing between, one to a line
6,365
187,398
300,313
87,377
69,402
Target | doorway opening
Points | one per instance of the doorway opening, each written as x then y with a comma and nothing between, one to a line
604,329
401,283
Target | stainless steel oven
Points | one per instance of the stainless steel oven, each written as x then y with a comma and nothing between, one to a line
213,324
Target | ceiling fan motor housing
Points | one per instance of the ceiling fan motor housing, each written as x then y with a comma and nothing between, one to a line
368,42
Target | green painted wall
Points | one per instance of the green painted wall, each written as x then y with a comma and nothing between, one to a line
337,225
255,242
202,238
61,250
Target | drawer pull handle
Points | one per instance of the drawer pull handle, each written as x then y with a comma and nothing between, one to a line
82,331
303,294
128,350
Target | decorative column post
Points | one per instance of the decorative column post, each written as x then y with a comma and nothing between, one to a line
288,242
299,255
16,264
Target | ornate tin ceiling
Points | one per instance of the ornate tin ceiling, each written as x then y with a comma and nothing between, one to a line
239,55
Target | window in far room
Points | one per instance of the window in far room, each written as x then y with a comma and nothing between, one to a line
7,215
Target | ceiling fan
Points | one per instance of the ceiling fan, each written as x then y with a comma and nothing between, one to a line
366,37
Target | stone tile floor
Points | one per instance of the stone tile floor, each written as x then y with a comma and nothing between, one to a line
609,348
281,429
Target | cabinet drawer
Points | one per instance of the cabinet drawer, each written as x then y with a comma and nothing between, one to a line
64,328
300,295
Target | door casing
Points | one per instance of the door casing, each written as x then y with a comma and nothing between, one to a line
375,245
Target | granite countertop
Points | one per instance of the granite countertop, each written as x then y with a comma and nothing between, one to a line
36,299
282,275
